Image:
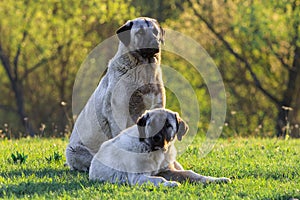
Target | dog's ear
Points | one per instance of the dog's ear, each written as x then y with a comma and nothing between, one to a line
124,33
182,127
141,123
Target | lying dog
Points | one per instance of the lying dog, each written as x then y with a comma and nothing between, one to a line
145,153
132,84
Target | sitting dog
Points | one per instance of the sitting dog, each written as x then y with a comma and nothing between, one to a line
145,153
132,84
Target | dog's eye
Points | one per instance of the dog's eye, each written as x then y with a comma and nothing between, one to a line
155,31
168,125
157,138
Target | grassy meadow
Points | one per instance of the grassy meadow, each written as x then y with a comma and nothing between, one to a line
259,169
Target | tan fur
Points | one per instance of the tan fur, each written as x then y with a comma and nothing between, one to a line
130,159
133,83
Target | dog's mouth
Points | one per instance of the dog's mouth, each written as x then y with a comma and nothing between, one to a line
157,148
148,52
158,142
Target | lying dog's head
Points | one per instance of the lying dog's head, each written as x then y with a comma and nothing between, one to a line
159,127
142,35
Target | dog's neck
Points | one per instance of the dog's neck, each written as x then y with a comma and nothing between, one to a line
142,60
134,58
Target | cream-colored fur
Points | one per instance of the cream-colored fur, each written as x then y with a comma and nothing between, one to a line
133,83
145,153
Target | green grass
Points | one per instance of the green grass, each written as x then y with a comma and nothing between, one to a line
259,168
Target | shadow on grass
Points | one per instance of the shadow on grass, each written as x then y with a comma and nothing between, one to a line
45,181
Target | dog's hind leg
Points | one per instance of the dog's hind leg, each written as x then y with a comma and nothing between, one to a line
155,180
191,176
78,157
178,166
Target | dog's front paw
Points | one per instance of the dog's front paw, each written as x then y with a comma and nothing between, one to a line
208,179
171,184
223,180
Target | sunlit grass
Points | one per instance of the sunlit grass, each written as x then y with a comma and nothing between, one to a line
259,168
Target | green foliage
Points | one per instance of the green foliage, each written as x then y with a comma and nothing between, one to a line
19,157
259,169
247,38
56,156
53,38
160,10
46,42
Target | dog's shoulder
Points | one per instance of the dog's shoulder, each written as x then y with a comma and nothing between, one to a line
121,63
126,140
129,140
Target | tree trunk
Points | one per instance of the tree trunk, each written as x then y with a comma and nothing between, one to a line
290,97
19,95
17,88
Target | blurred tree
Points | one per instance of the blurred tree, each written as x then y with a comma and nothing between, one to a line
258,54
254,43
41,47
160,10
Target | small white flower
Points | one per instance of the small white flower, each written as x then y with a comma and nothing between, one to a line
286,108
63,103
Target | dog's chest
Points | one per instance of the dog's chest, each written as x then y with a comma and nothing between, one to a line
137,90
137,156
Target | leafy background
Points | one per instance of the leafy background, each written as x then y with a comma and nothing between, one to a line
254,43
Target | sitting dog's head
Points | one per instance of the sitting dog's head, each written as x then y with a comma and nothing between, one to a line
159,127
142,35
